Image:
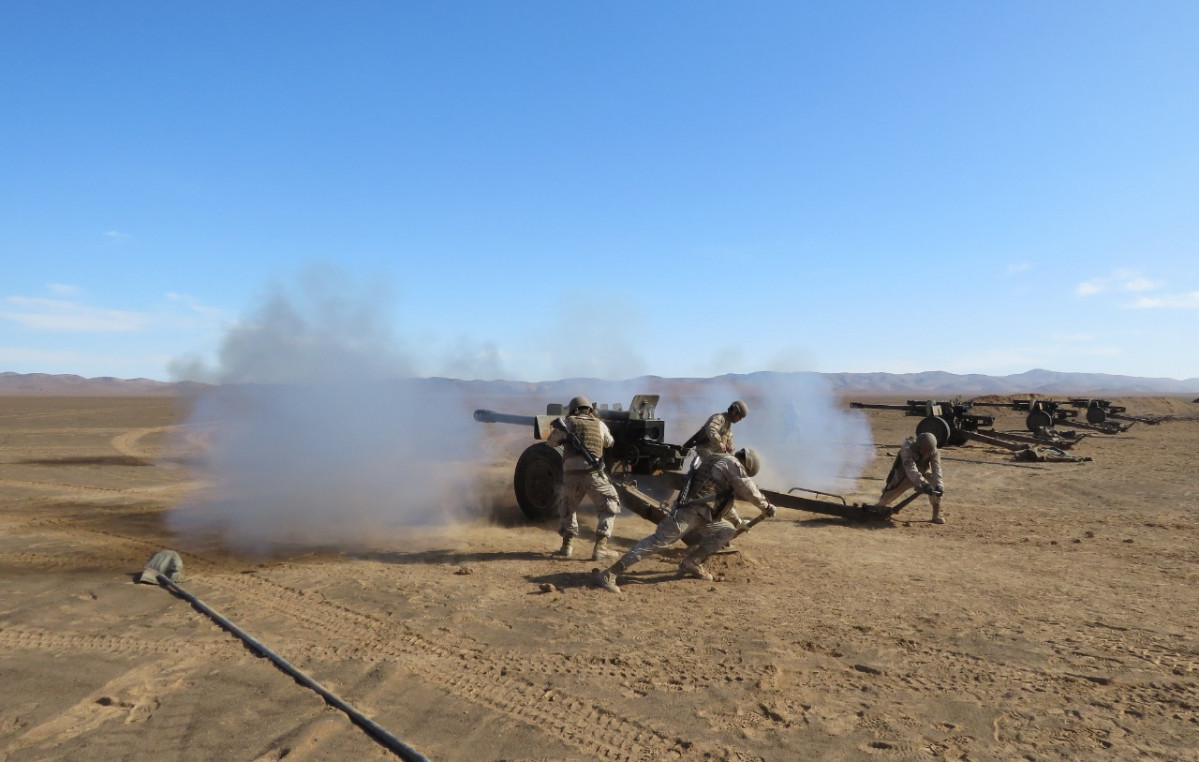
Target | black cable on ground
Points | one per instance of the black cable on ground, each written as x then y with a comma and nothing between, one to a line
373,729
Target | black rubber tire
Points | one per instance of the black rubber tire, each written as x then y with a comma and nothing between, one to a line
537,481
1096,414
1038,419
936,426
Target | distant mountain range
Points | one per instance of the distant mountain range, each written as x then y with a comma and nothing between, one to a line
929,383
51,385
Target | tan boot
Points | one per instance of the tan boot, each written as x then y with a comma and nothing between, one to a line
601,551
567,549
937,517
607,577
693,566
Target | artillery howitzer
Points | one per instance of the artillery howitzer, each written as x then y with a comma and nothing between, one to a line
1099,411
1042,414
947,421
640,453
640,450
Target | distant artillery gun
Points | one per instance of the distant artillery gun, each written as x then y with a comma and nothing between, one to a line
949,422
1099,411
646,471
1044,414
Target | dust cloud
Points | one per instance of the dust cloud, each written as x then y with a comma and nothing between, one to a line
318,435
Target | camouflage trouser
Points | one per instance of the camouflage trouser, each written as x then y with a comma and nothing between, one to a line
577,486
716,534
889,495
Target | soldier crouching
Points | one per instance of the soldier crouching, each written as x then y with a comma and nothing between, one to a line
918,457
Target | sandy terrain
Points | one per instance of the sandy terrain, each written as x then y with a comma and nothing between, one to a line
1053,617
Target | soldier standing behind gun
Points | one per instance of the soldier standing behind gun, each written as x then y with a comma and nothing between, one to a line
917,456
716,436
721,479
583,475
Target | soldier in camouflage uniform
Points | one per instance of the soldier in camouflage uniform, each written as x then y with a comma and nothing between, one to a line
918,458
720,481
580,478
716,436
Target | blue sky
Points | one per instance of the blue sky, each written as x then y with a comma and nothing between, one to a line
539,190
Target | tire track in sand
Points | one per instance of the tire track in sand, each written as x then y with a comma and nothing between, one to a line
491,679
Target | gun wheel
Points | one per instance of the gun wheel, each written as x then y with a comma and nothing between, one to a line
537,481
936,426
1038,419
1096,414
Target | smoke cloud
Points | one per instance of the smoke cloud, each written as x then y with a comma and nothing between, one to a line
796,423
318,434
803,433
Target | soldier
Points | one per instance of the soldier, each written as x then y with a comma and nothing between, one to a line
917,456
583,475
721,480
716,436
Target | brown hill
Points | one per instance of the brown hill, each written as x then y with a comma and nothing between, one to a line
928,383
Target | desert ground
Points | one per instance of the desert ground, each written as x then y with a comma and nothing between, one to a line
1053,617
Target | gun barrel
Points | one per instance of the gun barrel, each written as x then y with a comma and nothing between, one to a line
490,416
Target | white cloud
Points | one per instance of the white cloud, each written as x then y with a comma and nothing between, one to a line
195,305
68,316
1189,301
1120,280
1019,267
63,289
115,236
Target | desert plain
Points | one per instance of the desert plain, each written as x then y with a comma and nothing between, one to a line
1052,618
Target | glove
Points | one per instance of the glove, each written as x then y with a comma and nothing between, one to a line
926,488
771,509
558,424
743,525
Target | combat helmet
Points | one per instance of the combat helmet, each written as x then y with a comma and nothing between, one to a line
578,403
738,408
749,458
926,443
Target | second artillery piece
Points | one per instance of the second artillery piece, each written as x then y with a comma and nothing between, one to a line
947,421
1100,411
1043,414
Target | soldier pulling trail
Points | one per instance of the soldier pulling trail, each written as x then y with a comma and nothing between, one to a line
721,479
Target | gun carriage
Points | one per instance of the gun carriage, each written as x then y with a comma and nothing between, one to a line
1045,414
640,449
947,421
647,471
1103,411
1042,414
